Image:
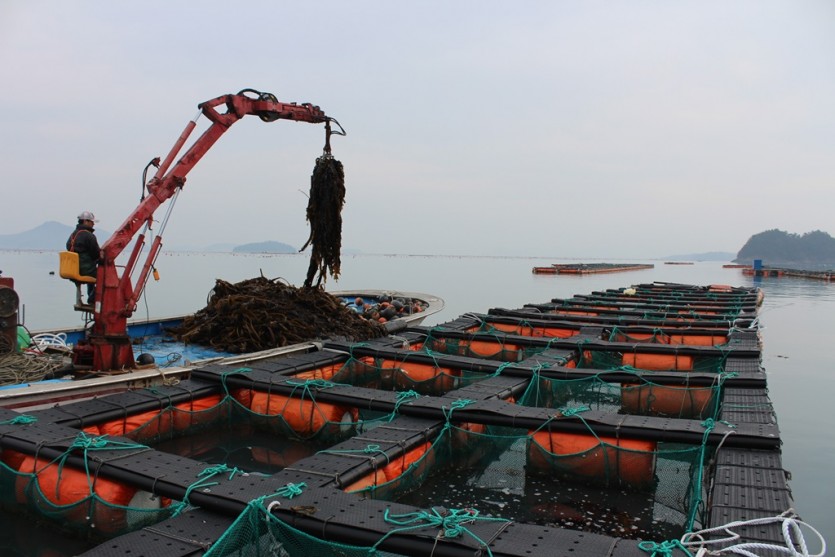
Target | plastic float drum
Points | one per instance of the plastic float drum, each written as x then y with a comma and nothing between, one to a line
304,416
665,400
605,460
65,492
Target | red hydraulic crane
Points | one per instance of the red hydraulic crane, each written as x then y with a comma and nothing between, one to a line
107,346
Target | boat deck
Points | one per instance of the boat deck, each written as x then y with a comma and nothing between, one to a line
469,375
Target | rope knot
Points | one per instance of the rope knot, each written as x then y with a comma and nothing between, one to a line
315,383
663,549
219,469
569,412
23,419
83,441
291,490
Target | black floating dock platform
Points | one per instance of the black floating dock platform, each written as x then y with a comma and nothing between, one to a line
672,367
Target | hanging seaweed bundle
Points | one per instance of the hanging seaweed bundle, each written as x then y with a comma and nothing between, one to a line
261,313
324,213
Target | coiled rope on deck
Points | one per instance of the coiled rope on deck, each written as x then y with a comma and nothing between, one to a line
24,367
790,525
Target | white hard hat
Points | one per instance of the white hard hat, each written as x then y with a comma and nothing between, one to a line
87,215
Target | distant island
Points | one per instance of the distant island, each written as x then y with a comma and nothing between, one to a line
776,248
52,236
264,247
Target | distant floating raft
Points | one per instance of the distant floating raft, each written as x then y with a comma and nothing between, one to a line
775,272
590,268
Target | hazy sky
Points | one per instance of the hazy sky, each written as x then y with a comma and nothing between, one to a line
548,128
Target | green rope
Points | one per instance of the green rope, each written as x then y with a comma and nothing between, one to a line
225,374
204,482
291,490
308,383
220,469
570,412
451,524
402,397
88,443
533,388
709,425
23,419
663,549
356,345
456,405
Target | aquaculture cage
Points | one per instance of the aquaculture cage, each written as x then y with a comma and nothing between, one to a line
491,434
631,393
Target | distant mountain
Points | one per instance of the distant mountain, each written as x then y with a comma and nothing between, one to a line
264,247
706,256
776,248
50,235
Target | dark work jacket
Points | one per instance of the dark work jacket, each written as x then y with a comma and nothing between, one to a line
84,242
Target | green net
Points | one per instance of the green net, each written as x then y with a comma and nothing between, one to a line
717,337
79,499
614,360
636,396
580,480
257,532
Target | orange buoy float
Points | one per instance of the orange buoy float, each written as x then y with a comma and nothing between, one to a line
305,416
420,457
637,337
343,370
491,349
699,340
146,425
466,434
665,400
375,478
554,332
584,456
243,396
325,373
408,375
658,362
197,412
49,487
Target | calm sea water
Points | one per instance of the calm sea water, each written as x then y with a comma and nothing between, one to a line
798,319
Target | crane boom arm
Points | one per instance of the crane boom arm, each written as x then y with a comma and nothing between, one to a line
116,298
165,184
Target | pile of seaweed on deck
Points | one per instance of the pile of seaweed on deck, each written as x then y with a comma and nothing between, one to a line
261,313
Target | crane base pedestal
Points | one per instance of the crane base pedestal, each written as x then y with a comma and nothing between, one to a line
105,353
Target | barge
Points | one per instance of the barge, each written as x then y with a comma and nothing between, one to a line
590,268
625,422
777,272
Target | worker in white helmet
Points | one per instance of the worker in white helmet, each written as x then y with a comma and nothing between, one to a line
84,242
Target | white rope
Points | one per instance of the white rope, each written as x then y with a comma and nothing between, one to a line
50,340
792,536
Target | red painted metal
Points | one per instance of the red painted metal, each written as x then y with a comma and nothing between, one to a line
107,346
